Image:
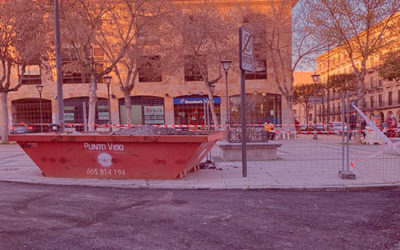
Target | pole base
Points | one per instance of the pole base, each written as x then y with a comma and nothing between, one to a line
347,175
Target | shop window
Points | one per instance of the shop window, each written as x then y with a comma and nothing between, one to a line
194,67
31,75
146,110
194,110
150,69
74,111
260,108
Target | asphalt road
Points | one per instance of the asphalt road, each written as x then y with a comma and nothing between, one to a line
64,217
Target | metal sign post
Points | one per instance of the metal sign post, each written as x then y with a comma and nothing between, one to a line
60,100
246,64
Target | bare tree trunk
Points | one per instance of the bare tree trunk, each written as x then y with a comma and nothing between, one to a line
128,107
212,107
291,125
307,110
92,95
4,118
92,104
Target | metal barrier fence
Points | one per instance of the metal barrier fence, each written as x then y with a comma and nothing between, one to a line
254,134
370,161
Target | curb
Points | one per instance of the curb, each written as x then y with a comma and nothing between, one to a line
339,188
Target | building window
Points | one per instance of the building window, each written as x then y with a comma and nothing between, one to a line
390,98
380,82
194,66
398,96
150,69
371,100
31,75
73,72
148,33
372,82
380,100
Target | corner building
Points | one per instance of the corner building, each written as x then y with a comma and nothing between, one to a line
180,101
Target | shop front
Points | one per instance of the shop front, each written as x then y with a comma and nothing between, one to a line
146,110
260,108
76,108
194,110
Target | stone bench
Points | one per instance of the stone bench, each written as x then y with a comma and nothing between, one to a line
256,151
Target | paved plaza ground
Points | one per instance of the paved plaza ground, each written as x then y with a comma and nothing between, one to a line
303,163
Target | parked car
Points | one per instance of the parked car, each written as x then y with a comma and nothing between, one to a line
336,127
319,127
21,129
305,127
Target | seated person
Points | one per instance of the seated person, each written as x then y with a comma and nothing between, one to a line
269,129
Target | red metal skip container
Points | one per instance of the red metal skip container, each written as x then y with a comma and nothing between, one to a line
117,156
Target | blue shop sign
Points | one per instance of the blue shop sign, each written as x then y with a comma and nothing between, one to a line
195,100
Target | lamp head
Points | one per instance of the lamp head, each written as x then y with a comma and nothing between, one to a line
315,77
39,88
226,64
107,79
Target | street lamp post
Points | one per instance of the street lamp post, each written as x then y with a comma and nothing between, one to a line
40,89
107,79
315,78
226,64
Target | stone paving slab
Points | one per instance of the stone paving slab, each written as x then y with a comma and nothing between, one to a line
303,164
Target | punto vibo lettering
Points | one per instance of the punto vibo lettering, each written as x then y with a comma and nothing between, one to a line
103,146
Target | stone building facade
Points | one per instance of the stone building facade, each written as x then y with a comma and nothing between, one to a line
176,101
381,97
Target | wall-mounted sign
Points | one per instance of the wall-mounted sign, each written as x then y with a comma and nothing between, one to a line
195,100
153,110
